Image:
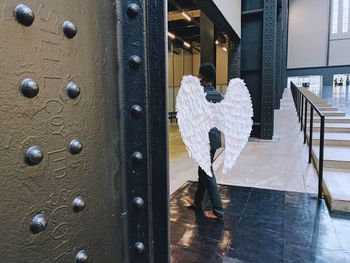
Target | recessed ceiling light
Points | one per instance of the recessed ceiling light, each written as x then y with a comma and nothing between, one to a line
186,44
225,49
216,42
171,35
188,18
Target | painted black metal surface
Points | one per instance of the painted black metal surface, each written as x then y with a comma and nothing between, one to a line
259,226
39,201
234,59
158,129
258,61
285,12
252,56
98,150
142,79
278,58
268,68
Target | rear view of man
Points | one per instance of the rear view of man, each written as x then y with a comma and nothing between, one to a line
207,75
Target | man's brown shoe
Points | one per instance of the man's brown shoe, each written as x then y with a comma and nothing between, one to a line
211,215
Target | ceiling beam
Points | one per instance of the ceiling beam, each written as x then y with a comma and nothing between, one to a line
177,15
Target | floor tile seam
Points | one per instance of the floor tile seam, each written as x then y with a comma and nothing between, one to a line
244,210
304,179
337,235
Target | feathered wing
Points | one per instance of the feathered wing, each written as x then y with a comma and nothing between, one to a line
192,111
236,123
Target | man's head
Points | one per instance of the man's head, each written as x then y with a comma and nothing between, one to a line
207,73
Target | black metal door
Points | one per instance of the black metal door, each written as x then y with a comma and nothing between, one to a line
81,128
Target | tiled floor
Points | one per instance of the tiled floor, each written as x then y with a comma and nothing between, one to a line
260,226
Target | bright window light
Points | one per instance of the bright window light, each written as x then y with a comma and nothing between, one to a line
335,16
345,16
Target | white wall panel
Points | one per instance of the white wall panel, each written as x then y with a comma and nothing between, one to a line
308,33
231,9
339,52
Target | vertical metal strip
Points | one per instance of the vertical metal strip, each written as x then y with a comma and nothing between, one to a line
268,68
320,159
305,124
302,112
284,45
311,132
279,56
134,113
158,129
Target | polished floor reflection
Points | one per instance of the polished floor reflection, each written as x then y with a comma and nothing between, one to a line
338,96
260,226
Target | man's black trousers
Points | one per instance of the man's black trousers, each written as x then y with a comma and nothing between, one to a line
207,183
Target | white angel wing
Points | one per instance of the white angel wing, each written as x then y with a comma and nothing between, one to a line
235,121
192,116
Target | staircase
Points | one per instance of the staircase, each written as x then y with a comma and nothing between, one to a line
336,173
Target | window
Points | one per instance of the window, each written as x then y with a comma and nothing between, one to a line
340,16
345,16
335,11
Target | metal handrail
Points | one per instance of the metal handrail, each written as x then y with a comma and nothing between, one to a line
301,102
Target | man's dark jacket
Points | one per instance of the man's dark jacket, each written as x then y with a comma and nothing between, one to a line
214,135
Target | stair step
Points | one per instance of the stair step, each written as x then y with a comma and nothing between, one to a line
330,113
336,173
328,109
332,139
332,119
337,157
333,127
336,186
321,104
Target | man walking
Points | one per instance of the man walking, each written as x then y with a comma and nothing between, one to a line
207,75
